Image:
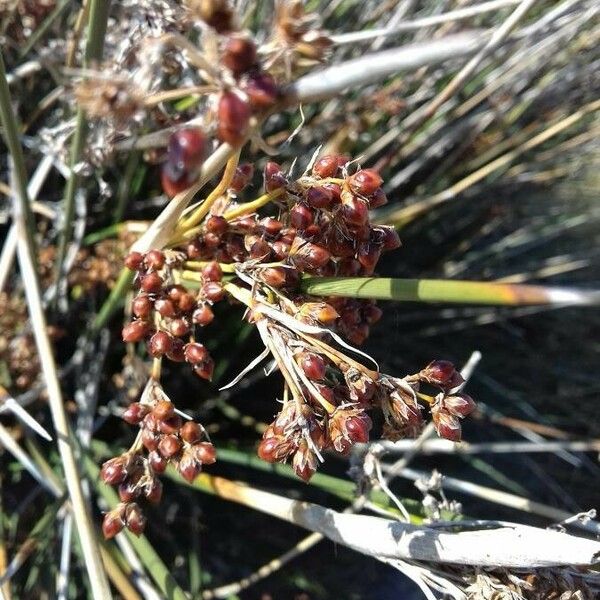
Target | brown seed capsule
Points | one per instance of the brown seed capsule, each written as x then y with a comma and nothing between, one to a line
389,238
267,449
135,331
365,182
163,410
239,54
280,249
128,491
326,166
357,428
187,148
135,412
154,259
233,118
216,224
368,257
152,282
141,306
133,260
176,353
459,405
186,302
274,177
205,369
179,327
212,291
216,13
273,276
153,491
313,365
171,425
447,425
260,250
212,272
354,211
135,520
191,432
205,453
203,315
335,190
160,343
189,468
195,353
165,308
301,216
261,90
241,178
378,199
114,471
112,524
150,440
169,446
174,182
372,314
157,462
319,197
438,372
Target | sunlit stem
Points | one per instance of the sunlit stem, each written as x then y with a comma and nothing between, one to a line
200,264
426,398
199,214
251,207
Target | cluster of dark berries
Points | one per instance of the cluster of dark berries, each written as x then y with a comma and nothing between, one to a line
167,439
449,405
166,313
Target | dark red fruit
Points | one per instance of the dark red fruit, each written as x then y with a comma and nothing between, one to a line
212,291
319,197
163,410
233,118
203,315
313,365
243,176
114,471
239,54
169,446
160,343
205,369
301,216
135,331
135,412
326,166
216,224
355,211
134,260
191,432
187,148
141,306
365,182
173,181
165,308
261,90
212,272
111,525
154,259
205,453
195,353
151,283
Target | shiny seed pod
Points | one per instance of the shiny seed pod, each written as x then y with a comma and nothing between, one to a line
176,353
187,148
135,413
233,118
141,306
153,491
114,471
171,425
212,291
135,331
112,524
239,54
165,308
261,89
216,224
203,315
189,468
169,446
241,178
354,210
151,283
205,453
163,410
365,182
191,432
155,259
319,197
160,343
274,276
133,260
157,462
195,353
135,520
326,166
173,181
313,365
212,272
301,216
205,369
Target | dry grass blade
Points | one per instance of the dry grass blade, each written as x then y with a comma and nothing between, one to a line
26,257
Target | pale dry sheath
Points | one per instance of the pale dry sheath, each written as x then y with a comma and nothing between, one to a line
483,543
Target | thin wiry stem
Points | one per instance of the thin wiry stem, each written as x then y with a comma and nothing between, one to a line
89,543
98,19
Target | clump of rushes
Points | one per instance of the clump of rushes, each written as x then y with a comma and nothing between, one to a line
322,228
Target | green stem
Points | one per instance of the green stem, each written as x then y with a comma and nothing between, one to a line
99,10
114,300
